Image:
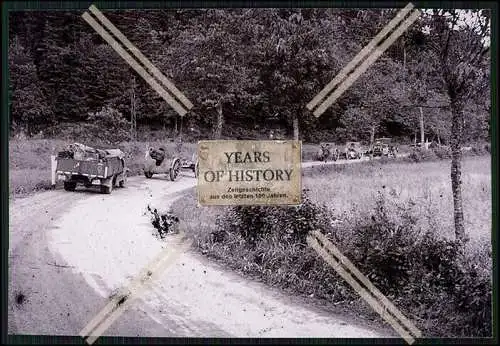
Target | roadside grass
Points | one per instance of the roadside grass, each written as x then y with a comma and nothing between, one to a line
393,220
355,187
29,160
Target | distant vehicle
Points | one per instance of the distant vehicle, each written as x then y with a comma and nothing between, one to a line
382,147
353,150
80,164
327,151
157,162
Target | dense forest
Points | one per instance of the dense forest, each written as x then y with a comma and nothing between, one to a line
260,66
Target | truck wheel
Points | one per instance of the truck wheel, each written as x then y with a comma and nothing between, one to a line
106,189
69,186
148,175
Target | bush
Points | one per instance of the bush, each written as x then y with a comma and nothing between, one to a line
420,154
479,149
442,152
109,125
164,223
288,224
429,277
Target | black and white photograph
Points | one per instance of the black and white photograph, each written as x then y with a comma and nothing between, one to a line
360,205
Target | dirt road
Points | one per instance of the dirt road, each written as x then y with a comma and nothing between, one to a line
70,251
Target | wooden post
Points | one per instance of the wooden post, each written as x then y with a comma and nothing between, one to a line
220,120
133,114
295,128
53,168
372,140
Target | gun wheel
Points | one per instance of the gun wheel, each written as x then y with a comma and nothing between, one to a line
174,170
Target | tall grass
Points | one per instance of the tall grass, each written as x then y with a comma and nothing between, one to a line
355,187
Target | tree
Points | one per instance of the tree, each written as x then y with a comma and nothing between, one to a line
29,110
459,43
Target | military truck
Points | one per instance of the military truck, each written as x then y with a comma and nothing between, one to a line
81,164
383,147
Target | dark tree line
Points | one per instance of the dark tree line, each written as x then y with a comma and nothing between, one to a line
249,66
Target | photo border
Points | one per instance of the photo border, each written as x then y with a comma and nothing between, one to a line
8,6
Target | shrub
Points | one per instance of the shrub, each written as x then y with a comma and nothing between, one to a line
289,224
429,277
164,223
442,152
420,154
109,125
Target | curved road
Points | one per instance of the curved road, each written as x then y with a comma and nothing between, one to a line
70,251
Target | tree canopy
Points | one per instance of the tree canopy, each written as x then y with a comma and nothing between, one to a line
258,63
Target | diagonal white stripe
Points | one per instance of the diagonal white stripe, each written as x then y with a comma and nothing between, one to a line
365,294
113,310
157,73
366,64
139,69
328,245
361,55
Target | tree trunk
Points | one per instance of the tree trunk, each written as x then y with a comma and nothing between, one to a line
422,133
220,121
372,140
456,170
133,114
296,128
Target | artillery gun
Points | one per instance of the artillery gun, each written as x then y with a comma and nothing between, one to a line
156,161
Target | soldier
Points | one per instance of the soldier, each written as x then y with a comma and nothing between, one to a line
325,149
